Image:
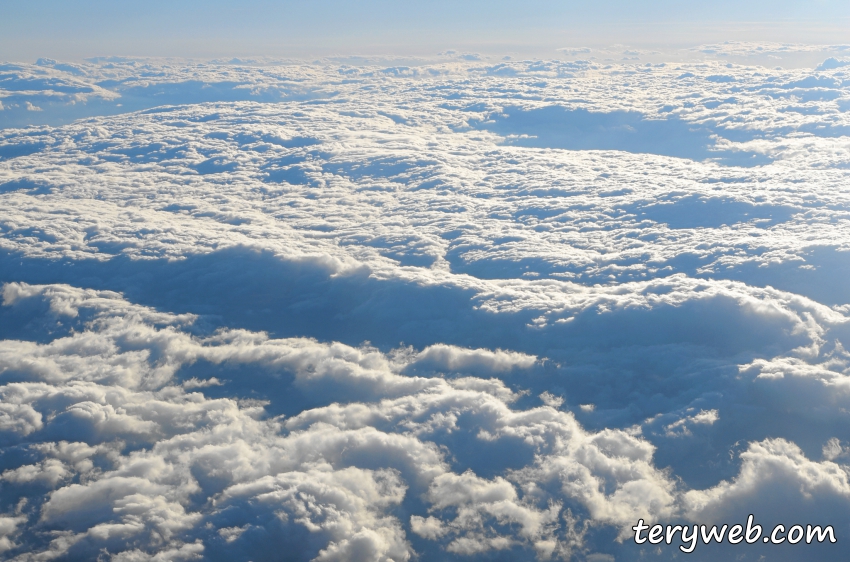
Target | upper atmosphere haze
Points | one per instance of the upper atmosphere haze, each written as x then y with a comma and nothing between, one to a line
76,29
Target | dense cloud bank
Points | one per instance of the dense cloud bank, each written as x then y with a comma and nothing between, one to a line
111,444
457,311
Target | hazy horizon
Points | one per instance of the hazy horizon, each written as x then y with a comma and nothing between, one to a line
78,30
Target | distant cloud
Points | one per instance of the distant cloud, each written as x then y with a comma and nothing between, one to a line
832,63
575,50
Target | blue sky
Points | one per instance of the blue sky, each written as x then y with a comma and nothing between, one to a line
75,29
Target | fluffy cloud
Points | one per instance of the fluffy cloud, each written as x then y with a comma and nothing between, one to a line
447,310
337,470
164,470
778,480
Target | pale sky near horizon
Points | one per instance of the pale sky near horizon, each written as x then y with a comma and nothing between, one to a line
73,29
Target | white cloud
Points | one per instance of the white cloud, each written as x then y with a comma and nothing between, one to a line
776,479
551,400
230,534
51,471
681,427
427,527
198,383
832,63
645,323
315,473
451,358
356,460
8,528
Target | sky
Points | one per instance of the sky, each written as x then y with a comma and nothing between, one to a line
78,29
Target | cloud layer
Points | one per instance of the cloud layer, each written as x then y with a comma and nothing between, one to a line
458,310
113,446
